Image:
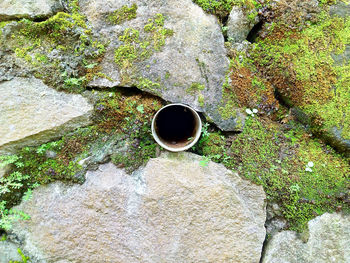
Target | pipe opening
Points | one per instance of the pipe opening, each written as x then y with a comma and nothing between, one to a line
176,127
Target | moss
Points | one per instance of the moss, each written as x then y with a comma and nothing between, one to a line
302,68
2,25
222,8
118,113
141,149
201,100
248,89
131,116
213,144
267,155
138,46
229,101
148,85
195,88
123,14
64,33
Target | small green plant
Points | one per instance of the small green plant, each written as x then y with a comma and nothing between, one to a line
204,162
9,216
24,257
8,184
140,108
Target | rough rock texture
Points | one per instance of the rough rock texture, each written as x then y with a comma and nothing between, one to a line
329,237
15,9
8,251
31,113
172,210
190,68
238,25
341,9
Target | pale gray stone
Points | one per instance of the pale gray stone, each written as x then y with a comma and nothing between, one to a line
32,113
172,210
16,9
194,54
329,238
8,251
238,25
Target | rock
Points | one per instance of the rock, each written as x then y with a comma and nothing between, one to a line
172,210
17,9
8,251
189,68
3,171
238,25
341,9
329,237
31,113
275,224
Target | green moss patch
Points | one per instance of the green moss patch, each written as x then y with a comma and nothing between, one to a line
195,88
222,8
46,46
138,46
301,66
277,159
123,14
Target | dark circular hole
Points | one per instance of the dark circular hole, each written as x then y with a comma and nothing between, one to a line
175,125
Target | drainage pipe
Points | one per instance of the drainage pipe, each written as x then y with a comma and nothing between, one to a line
176,127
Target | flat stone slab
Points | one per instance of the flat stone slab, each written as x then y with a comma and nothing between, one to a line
172,210
31,113
16,9
328,241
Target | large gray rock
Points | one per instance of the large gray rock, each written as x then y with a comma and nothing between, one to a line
172,210
239,25
329,238
8,251
190,68
15,9
32,113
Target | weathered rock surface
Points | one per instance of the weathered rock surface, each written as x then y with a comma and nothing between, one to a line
8,251
190,68
172,210
238,25
15,9
341,9
31,113
329,237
